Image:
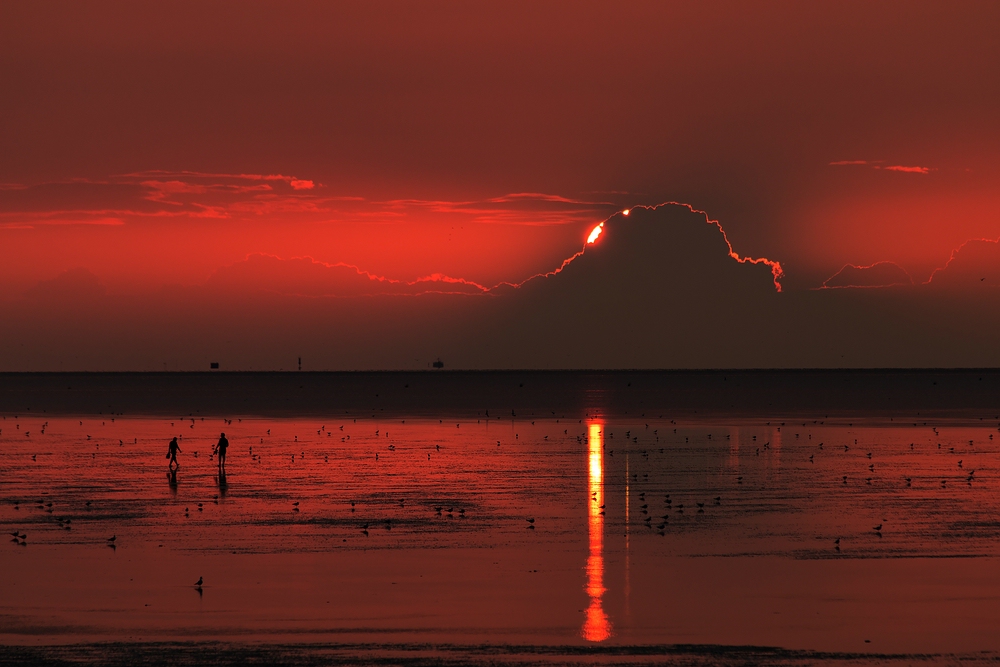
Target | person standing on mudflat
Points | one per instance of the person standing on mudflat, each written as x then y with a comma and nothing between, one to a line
220,449
172,450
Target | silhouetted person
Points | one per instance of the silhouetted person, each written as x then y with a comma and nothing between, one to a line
172,450
220,449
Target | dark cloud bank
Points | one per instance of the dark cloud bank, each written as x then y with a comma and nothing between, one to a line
659,289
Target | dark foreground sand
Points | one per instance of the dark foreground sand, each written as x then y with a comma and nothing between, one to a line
419,655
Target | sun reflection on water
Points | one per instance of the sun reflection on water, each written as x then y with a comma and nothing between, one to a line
597,627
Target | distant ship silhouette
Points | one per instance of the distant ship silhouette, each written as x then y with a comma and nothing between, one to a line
438,364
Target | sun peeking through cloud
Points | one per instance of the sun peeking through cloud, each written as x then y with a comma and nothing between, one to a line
595,232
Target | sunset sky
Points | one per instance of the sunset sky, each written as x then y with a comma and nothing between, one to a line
359,184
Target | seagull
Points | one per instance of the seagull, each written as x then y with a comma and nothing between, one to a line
112,538
198,583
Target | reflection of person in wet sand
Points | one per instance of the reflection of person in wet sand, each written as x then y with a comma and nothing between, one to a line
172,450
220,449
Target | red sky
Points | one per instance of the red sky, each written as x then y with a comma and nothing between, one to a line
153,146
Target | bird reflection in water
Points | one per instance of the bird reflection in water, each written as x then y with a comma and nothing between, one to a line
597,627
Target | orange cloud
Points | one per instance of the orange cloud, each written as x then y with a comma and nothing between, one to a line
878,164
185,174
163,193
975,263
879,274
907,170
304,276
61,219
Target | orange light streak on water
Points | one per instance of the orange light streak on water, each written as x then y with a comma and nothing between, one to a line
597,627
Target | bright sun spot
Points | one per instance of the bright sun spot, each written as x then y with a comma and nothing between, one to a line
595,233
626,212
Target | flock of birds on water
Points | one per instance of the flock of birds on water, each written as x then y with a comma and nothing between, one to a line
659,524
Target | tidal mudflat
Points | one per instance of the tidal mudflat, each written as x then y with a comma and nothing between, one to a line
501,539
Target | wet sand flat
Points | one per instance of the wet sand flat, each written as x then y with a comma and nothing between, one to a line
557,540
